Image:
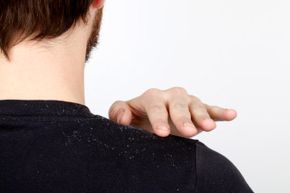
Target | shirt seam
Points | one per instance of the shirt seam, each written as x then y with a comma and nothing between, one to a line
195,167
47,119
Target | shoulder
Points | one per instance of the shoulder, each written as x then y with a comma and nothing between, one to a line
140,140
171,163
156,164
137,137
216,172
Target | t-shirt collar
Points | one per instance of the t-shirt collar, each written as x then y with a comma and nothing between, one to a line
15,107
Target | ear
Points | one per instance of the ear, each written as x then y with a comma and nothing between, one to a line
98,4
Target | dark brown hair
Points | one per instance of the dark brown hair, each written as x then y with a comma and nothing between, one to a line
38,19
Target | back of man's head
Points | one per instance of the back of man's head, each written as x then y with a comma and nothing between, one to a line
38,19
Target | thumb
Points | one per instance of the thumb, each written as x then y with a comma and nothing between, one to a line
120,112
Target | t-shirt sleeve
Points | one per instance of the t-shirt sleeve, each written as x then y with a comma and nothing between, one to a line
217,174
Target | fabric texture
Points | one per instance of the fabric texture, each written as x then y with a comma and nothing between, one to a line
50,146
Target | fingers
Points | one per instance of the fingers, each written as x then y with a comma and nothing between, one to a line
120,112
158,116
221,114
200,115
157,113
181,116
172,111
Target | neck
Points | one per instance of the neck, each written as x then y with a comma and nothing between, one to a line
45,70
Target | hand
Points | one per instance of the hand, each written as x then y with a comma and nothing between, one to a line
171,111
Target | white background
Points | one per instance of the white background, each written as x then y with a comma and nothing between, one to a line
229,53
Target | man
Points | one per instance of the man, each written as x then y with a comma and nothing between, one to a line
51,142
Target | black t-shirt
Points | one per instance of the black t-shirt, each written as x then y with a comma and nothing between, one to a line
51,146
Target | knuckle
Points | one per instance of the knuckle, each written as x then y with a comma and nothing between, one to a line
115,104
206,105
178,90
153,91
201,106
195,98
215,108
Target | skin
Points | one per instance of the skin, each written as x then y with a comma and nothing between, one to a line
172,111
54,69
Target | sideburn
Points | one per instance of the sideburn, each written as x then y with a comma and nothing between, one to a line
94,38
